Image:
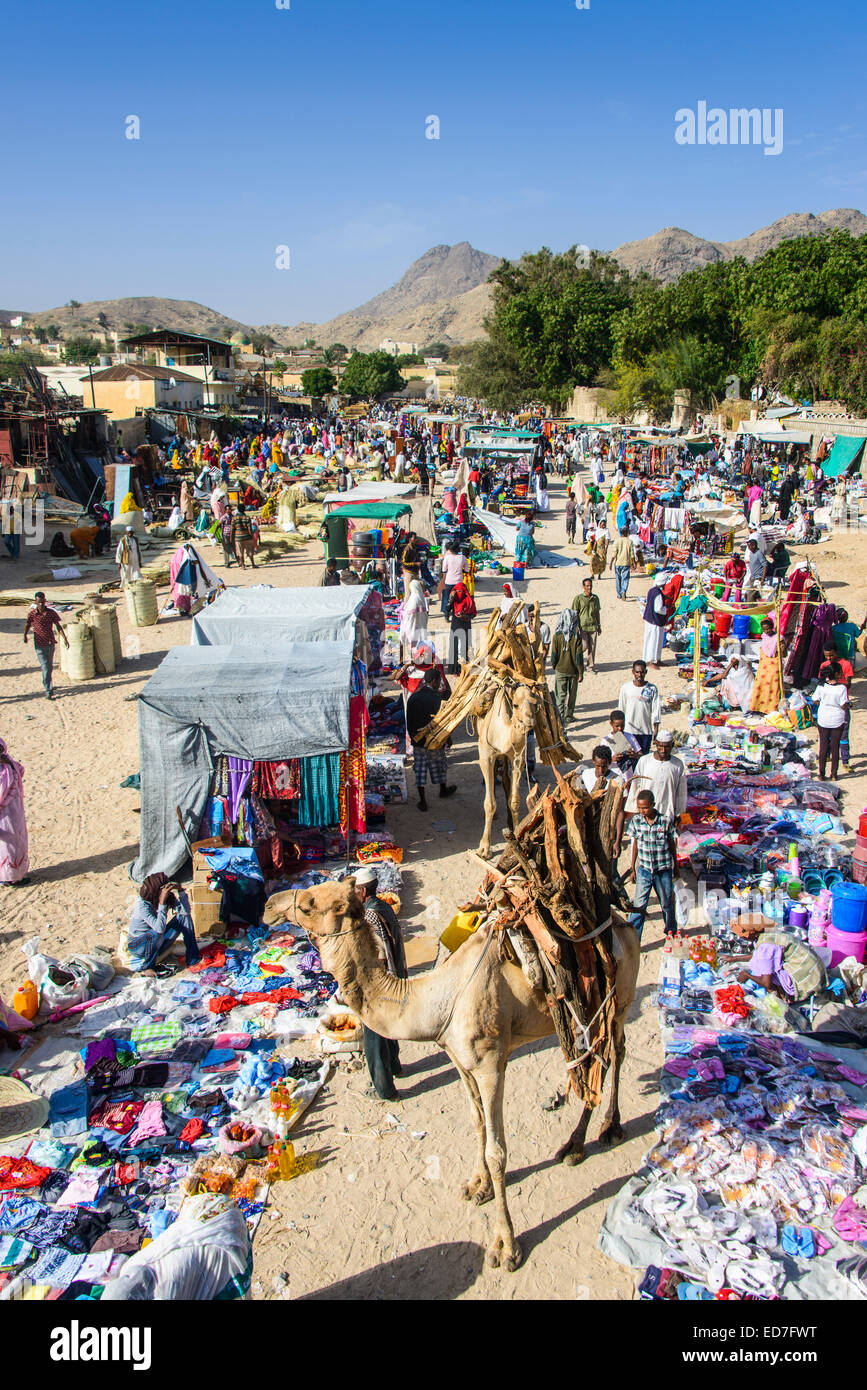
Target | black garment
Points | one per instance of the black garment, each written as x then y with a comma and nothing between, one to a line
89,1226
243,898
382,1056
421,708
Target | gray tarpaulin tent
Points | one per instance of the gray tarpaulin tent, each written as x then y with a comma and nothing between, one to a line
261,616
265,703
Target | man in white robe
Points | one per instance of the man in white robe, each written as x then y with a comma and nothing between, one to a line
127,557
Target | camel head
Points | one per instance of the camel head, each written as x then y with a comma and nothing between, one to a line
320,910
525,703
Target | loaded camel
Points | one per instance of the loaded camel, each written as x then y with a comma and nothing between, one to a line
504,694
502,731
478,1006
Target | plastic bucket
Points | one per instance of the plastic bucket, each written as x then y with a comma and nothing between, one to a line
719,590
756,626
798,916
722,624
846,943
518,572
741,626
862,823
849,907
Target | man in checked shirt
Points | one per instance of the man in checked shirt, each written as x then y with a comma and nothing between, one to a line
42,621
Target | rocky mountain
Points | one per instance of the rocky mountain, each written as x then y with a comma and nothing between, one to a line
122,314
670,253
443,296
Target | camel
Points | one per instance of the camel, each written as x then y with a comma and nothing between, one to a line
502,731
477,1006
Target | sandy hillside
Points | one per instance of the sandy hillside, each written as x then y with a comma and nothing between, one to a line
382,1216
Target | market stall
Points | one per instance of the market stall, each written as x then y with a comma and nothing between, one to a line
259,705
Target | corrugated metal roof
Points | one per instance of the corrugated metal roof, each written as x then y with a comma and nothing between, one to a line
124,373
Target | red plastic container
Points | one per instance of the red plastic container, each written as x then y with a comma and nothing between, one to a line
862,823
722,623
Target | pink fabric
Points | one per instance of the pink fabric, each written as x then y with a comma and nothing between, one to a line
12,1021
150,1124
14,855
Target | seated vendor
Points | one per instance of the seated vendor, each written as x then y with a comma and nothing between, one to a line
151,931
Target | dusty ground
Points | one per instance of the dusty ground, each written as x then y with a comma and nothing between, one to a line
382,1217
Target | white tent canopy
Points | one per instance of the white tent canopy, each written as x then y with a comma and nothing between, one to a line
261,616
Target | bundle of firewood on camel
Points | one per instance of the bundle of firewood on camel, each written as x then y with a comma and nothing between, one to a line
504,693
549,896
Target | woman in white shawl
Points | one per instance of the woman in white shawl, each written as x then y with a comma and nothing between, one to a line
413,624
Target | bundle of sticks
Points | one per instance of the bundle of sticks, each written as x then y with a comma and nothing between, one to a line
549,893
511,655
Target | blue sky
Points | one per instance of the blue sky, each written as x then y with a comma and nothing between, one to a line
263,127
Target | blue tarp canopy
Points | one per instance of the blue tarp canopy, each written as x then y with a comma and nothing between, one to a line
847,451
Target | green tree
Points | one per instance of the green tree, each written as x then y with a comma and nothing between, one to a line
82,351
552,320
436,350
334,354
370,375
12,364
408,359
74,304
492,372
262,343
318,381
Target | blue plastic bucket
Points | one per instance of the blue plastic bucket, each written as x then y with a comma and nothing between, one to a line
517,573
741,626
849,907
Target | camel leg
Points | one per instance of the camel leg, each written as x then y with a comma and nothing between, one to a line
487,765
504,1252
572,1152
612,1132
479,1188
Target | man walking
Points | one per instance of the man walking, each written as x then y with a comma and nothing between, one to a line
661,774
755,571
654,856
382,1054
127,557
571,518
42,620
622,560
420,710
586,605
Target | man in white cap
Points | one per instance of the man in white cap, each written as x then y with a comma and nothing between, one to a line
660,773
382,1054
128,558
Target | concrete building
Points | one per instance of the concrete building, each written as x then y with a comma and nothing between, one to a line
398,349
124,390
